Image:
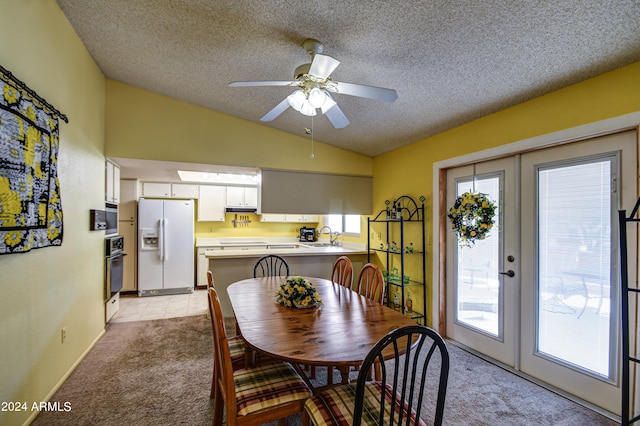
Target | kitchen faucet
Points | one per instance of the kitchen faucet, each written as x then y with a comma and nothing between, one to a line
333,236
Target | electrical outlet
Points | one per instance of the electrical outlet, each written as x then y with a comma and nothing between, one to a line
379,235
63,334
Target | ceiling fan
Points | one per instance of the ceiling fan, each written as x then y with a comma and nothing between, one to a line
315,87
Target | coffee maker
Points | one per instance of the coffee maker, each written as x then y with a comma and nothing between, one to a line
307,235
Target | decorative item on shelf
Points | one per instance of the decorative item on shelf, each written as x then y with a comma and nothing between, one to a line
298,292
471,217
409,248
394,246
387,202
408,303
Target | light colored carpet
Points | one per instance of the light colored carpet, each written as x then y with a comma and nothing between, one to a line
159,373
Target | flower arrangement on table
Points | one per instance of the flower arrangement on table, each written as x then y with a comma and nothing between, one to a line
298,292
472,217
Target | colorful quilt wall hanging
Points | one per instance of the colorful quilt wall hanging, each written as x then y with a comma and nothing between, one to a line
30,205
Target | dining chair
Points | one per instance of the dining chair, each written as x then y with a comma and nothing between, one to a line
342,272
413,378
371,283
237,350
270,266
252,395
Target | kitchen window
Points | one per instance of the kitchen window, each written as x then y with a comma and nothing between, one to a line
344,223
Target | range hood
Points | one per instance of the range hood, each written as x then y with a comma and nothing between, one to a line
253,210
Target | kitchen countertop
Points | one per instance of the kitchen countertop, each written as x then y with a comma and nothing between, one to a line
244,247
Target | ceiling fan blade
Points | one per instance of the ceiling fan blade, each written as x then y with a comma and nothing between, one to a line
323,65
262,83
276,111
337,117
362,91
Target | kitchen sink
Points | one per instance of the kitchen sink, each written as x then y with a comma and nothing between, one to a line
317,244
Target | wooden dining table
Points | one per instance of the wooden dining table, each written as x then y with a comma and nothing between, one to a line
339,333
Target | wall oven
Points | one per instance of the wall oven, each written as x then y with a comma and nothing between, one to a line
115,265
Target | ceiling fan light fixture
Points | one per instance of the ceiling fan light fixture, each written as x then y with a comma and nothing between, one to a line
296,100
307,109
317,97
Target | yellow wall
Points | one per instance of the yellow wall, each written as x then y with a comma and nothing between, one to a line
145,125
47,289
408,170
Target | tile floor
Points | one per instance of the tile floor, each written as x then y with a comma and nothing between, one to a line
134,308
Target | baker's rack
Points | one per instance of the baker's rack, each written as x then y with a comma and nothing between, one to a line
630,361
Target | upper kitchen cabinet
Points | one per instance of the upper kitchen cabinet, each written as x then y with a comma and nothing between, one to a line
169,190
184,190
211,203
306,218
112,182
242,196
301,218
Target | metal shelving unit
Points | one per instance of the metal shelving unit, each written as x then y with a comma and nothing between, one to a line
400,214
630,360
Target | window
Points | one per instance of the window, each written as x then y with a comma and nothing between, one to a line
344,224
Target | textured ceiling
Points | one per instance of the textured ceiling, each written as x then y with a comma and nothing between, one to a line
449,61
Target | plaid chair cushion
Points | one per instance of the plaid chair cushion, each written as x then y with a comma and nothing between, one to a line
268,385
236,348
335,406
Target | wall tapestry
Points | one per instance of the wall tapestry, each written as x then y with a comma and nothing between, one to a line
30,206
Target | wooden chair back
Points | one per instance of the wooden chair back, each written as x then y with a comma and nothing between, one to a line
225,387
371,283
342,272
271,266
419,354
210,280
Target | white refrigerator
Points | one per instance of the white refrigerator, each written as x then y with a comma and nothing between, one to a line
165,247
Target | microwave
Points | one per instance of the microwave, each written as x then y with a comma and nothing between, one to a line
111,218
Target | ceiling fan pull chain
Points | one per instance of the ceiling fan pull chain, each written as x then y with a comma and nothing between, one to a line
312,155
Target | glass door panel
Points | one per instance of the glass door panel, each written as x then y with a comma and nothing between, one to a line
575,212
478,291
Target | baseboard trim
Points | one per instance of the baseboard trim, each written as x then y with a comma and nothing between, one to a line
55,388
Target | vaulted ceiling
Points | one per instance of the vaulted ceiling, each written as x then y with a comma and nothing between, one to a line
449,61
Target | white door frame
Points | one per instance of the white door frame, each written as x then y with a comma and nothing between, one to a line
599,128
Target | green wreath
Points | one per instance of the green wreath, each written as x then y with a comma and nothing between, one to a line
472,217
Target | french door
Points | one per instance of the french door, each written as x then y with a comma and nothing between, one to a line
540,294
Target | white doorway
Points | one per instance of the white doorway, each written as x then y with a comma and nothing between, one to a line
540,295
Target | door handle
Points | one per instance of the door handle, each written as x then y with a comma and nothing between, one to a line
509,273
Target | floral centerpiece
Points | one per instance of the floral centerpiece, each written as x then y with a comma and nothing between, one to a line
471,217
298,292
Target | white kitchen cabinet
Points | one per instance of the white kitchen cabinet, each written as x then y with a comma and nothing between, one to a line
211,203
272,217
184,190
156,190
306,218
112,182
296,218
242,196
169,190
